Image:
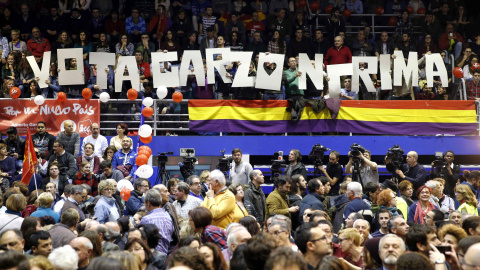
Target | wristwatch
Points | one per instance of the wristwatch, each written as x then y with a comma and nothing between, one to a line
439,261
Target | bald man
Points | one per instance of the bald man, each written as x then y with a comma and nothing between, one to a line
338,54
115,236
411,171
255,194
472,260
84,249
13,240
70,138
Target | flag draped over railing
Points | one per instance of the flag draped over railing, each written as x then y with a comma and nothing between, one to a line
413,117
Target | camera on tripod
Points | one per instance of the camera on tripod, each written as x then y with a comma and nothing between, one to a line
395,154
355,151
277,163
317,154
224,163
187,166
162,158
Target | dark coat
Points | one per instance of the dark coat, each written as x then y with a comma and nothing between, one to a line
312,200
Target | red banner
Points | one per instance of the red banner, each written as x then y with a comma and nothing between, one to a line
25,114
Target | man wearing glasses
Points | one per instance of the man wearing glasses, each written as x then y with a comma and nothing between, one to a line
141,185
314,244
193,182
333,172
75,200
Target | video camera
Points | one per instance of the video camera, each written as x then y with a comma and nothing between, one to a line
317,154
187,166
395,154
277,163
356,150
224,163
439,163
162,158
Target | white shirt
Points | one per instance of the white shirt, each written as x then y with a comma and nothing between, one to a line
100,144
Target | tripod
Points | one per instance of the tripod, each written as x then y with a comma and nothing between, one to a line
356,172
162,176
316,170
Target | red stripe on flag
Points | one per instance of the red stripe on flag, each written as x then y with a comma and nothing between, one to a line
30,161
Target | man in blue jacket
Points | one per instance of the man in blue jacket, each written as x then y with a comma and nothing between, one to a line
135,201
314,199
124,159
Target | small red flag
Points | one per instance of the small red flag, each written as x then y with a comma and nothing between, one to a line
30,161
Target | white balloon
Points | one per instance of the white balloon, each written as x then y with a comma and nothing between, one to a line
144,171
145,131
162,92
104,97
39,100
148,102
124,184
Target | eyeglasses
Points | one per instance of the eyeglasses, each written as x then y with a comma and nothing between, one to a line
276,233
324,238
308,215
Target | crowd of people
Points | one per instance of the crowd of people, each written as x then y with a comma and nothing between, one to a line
77,217
138,28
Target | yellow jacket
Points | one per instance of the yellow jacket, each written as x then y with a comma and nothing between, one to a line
276,203
239,213
467,209
222,207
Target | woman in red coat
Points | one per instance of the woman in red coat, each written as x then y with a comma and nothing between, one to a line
85,176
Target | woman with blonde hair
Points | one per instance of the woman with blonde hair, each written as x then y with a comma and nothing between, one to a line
41,263
349,241
203,178
130,260
468,202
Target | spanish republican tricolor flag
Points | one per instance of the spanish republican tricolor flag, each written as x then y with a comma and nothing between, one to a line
393,117
30,161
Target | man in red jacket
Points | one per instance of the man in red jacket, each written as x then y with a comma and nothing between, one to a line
451,41
338,54
38,45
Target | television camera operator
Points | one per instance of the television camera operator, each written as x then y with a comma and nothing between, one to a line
411,170
443,167
360,163
333,172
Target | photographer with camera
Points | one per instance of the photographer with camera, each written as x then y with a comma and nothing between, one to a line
445,169
411,171
334,172
240,172
295,166
359,160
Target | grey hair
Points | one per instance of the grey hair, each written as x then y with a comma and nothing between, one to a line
283,225
77,189
284,219
87,187
356,188
218,175
232,237
391,235
182,186
391,222
154,197
432,184
359,220
64,258
189,180
231,227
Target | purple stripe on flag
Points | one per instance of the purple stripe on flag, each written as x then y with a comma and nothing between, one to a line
331,125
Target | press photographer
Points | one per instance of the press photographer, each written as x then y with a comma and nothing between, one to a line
296,166
239,173
445,169
334,172
411,171
360,165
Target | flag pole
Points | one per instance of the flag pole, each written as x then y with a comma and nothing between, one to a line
35,179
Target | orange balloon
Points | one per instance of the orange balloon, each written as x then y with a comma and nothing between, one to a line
177,97
141,160
146,148
132,94
147,111
144,152
146,140
15,92
86,93
125,194
61,96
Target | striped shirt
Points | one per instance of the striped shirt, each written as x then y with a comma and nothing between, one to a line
207,22
163,221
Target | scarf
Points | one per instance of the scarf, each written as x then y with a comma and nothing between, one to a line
419,214
90,159
111,201
392,210
13,212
